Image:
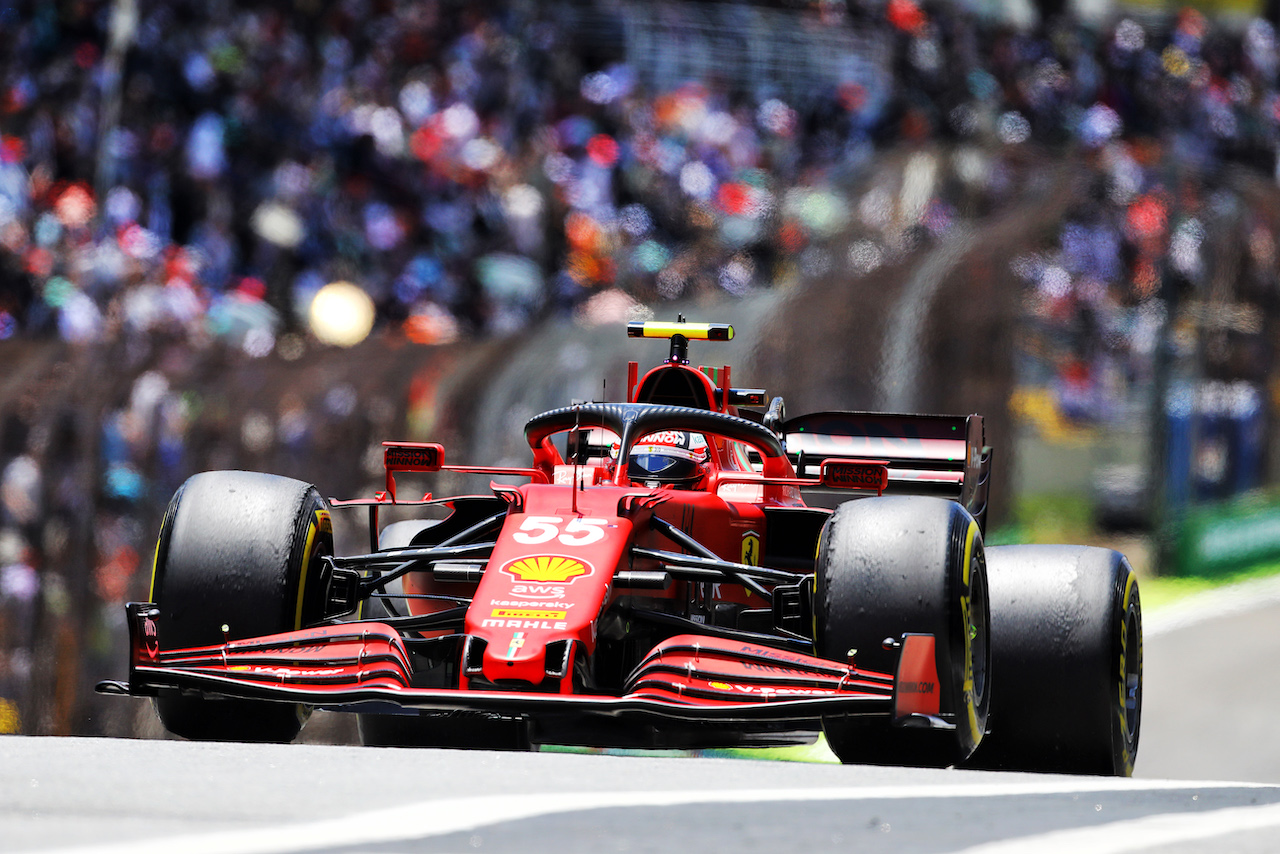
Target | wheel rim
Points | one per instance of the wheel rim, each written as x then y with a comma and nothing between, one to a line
1132,676
976,641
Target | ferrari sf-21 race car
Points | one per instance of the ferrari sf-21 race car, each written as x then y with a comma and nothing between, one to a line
656,579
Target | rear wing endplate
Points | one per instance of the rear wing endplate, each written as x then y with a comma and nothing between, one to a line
943,455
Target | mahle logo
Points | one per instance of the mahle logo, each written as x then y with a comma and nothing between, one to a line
547,568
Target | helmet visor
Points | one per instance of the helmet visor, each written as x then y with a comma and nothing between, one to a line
662,467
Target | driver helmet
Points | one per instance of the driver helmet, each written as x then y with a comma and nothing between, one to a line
669,458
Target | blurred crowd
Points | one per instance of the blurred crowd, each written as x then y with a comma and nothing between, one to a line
198,171
206,167
1173,244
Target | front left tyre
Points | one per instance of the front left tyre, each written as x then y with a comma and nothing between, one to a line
244,551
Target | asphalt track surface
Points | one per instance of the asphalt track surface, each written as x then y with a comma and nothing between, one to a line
1210,692
117,796
101,796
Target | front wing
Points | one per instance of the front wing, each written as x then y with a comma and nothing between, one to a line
365,666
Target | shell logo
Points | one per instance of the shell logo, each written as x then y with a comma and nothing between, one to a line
547,568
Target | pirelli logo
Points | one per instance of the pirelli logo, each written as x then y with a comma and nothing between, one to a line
527,614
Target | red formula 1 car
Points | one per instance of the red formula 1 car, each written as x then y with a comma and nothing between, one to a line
659,581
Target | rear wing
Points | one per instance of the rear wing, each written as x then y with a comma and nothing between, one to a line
943,455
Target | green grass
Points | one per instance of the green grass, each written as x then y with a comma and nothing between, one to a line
1046,519
1162,591
816,752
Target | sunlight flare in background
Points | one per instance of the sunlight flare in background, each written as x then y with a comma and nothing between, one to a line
341,314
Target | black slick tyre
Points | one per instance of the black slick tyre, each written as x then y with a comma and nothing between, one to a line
242,550
467,730
896,564
1066,630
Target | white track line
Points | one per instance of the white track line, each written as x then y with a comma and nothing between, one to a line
1140,834
1212,604
427,819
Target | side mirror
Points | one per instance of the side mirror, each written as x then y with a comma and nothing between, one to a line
776,414
420,457
871,475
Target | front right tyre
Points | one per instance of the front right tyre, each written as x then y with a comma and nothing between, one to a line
246,551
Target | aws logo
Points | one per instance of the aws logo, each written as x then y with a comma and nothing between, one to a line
547,569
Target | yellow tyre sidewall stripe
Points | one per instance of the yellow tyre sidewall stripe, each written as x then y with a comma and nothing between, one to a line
155,565
968,692
1122,709
320,523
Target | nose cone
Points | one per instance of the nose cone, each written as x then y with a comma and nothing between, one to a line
548,579
523,659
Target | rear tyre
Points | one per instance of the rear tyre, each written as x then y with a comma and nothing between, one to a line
1066,628
472,730
244,550
896,564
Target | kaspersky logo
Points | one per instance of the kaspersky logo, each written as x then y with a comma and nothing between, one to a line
547,569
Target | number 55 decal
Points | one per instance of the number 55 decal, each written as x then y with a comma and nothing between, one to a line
536,530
